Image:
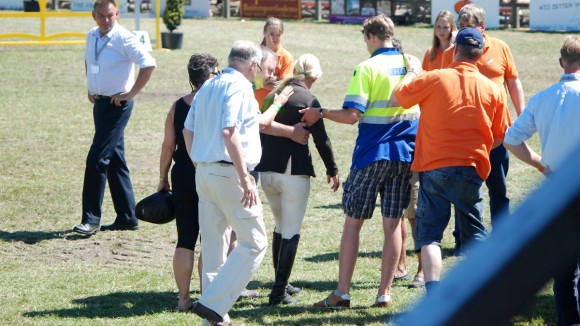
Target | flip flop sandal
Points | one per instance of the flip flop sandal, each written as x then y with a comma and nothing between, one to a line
401,278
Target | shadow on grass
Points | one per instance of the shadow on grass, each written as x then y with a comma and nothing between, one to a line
329,206
114,305
542,309
306,314
254,311
33,237
332,256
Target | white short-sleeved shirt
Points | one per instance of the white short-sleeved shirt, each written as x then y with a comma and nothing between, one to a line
110,60
554,114
222,102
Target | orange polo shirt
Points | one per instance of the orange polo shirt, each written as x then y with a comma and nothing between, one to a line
496,63
284,69
429,65
462,112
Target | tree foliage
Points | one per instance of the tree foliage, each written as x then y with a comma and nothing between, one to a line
173,14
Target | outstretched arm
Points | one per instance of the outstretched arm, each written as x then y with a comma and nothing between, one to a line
346,116
527,154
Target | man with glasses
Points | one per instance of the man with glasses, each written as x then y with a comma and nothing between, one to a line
222,138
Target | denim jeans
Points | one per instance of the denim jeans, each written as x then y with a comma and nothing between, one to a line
496,183
439,188
566,292
497,188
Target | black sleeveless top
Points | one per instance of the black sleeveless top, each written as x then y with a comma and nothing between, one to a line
183,171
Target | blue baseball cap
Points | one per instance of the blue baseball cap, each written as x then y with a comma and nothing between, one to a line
471,37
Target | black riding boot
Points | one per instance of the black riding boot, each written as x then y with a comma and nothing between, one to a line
276,243
285,262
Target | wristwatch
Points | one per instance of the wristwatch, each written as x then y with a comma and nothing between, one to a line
321,113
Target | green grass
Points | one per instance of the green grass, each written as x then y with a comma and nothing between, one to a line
50,276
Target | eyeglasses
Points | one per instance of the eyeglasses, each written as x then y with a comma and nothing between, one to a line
259,67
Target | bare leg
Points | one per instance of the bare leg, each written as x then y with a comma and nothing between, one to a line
391,253
348,253
402,266
431,258
182,269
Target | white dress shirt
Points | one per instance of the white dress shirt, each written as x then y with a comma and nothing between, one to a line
110,60
222,102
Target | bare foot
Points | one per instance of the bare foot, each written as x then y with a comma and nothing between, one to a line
401,271
184,305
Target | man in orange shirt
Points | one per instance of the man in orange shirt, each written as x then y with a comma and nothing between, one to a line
497,64
457,130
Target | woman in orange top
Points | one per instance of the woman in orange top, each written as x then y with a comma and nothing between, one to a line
273,31
443,37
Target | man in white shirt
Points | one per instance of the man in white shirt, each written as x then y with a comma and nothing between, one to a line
554,114
222,137
110,56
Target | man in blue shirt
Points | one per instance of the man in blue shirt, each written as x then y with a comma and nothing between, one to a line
554,114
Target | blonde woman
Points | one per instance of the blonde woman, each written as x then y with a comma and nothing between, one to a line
443,36
286,168
273,35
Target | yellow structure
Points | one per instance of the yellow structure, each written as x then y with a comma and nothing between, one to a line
52,39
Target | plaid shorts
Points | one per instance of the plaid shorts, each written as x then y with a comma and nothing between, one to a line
390,179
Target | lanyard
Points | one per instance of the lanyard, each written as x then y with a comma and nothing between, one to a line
99,50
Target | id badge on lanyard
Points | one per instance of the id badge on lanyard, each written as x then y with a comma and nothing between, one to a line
95,68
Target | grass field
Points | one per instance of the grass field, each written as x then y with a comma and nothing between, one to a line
51,276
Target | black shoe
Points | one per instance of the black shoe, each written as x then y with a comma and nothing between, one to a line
119,227
204,312
86,228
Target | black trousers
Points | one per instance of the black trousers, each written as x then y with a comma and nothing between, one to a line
106,162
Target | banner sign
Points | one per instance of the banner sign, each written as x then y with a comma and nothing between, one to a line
454,6
555,15
283,9
353,11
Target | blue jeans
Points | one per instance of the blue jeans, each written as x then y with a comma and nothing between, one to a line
497,185
439,188
566,292
496,182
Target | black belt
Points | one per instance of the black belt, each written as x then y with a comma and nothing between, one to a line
225,162
101,97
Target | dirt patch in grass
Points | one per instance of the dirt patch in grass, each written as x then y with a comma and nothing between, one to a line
109,248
